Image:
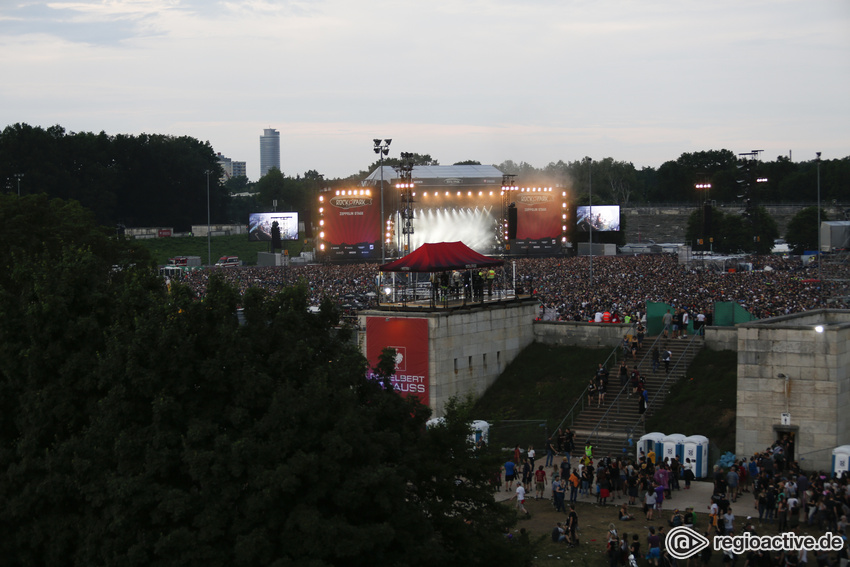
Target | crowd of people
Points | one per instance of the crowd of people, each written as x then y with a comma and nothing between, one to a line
621,285
784,499
776,496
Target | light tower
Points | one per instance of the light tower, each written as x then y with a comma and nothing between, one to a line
382,150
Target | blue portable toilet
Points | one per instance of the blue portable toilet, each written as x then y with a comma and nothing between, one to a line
651,442
840,460
480,431
695,448
674,446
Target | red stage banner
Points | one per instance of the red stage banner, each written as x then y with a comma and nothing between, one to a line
353,226
409,338
538,215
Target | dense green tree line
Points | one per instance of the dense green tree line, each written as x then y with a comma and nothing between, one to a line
145,180
156,180
139,426
676,181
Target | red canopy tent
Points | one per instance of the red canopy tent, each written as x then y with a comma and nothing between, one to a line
440,257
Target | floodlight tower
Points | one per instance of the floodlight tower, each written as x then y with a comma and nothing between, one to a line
382,149
820,252
589,161
405,173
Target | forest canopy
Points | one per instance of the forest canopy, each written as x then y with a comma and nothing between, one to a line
140,426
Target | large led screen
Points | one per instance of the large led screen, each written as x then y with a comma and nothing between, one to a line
538,215
260,226
351,224
600,217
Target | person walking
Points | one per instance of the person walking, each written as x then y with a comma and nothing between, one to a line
519,495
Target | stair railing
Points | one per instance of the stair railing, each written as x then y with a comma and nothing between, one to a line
578,406
693,344
606,418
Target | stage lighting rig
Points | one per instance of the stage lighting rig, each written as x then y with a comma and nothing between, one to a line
405,185
382,149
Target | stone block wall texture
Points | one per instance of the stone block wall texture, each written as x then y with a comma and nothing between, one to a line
813,387
468,348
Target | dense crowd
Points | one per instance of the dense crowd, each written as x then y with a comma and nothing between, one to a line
775,286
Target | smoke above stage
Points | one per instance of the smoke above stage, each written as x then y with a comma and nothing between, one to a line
477,227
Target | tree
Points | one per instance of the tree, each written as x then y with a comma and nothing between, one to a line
140,426
802,232
237,184
272,187
145,180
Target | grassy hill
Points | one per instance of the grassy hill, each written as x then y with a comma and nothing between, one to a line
544,381
232,245
704,402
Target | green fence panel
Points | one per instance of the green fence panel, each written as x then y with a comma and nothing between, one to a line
655,310
742,315
729,314
724,314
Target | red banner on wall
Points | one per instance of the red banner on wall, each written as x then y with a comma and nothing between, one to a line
409,338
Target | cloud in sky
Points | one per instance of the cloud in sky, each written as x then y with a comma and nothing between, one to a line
535,81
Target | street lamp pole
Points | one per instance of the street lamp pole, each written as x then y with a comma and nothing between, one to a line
382,150
209,243
19,175
590,211
820,252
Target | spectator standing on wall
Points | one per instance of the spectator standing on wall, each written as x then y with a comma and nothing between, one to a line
667,321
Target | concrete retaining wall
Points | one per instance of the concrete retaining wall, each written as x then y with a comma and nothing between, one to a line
721,338
589,335
468,348
786,366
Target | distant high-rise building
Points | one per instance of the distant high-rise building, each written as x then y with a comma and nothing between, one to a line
231,168
269,150
226,165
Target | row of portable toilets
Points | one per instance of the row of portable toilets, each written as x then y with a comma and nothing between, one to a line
693,447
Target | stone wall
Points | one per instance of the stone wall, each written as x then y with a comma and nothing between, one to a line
469,348
589,335
721,338
669,223
785,366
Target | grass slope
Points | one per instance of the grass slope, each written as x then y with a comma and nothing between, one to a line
704,402
542,383
231,245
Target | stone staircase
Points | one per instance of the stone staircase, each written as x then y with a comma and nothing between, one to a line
610,426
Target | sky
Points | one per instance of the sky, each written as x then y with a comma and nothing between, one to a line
533,81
